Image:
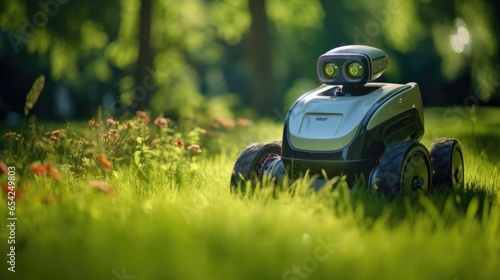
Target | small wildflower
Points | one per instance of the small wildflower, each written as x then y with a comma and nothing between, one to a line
11,135
4,169
153,143
53,172
57,132
144,116
102,186
6,190
111,122
194,148
93,123
54,139
38,169
226,123
179,143
162,122
243,122
84,143
127,124
44,169
112,135
105,162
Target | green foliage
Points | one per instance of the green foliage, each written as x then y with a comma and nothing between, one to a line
151,223
34,94
85,43
462,33
101,146
289,15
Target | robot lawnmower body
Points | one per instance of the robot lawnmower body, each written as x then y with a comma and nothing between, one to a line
353,126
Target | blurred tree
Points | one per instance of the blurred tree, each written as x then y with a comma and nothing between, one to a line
462,35
144,59
62,33
262,93
174,55
298,41
62,40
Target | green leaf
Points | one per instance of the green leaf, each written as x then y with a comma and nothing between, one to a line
137,157
34,93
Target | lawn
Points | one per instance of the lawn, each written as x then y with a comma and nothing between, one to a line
92,205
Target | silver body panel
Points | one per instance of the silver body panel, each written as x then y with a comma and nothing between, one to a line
321,122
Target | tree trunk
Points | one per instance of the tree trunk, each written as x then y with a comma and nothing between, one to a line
144,85
262,95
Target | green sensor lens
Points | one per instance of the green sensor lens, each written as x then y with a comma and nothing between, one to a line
331,70
355,70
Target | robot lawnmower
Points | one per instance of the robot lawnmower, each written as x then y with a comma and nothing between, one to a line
352,126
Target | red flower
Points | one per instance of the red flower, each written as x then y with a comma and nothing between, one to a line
226,123
4,169
10,135
6,190
162,122
179,143
130,124
53,172
39,169
102,186
105,162
144,116
194,148
243,122
57,132
45,169
111,135
111,122
54,139
93,123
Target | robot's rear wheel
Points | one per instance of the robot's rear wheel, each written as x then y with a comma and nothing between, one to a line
257,160
405,167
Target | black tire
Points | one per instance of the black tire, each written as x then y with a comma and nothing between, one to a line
249,164
405,167
448,163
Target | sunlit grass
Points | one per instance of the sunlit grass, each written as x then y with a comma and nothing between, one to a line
192,227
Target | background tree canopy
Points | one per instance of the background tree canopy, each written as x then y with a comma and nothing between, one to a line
217,57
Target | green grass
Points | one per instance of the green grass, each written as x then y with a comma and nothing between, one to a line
192,227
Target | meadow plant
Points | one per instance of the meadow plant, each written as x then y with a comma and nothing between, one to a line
100,147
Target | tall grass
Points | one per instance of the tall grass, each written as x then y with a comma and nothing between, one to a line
189,226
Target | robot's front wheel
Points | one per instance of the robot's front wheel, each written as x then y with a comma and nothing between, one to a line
448,163
256,161
405,167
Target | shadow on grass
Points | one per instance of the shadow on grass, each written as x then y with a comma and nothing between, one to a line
444,203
